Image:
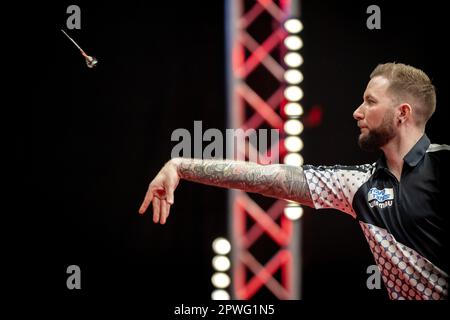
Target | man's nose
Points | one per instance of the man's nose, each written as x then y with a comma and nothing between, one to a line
357,114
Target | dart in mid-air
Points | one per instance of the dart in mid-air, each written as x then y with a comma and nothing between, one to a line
90,61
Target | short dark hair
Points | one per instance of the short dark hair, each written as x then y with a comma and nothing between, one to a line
407,81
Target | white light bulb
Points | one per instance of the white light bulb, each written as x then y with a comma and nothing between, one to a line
293,144
293,212
293,42
293,159
293,109
293,93
221,263
220,280
293,76
293,127
220,294
293,25
293,59
221,246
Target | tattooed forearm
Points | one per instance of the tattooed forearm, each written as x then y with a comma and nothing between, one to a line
278,181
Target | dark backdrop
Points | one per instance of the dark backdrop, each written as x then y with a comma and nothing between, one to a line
90,141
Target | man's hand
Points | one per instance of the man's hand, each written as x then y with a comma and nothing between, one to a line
160,192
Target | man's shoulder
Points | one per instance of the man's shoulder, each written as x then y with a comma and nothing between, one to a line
434,147
439,153
338,167
439,158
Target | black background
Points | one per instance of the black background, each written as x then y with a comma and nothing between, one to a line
88,141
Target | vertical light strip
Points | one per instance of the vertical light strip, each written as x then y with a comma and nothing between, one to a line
221,264
293,110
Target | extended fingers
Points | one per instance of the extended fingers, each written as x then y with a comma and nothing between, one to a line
163,216
170,195
147,200
161,201
165,210
156,209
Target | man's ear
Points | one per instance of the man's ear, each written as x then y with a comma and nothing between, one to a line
404,112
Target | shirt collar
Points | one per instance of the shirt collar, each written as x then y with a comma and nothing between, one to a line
413,157
417,152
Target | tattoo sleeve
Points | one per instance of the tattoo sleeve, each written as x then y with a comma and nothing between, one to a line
277,180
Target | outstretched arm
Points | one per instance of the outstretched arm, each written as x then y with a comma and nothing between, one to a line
278,181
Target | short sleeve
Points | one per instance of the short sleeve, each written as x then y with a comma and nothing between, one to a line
334,186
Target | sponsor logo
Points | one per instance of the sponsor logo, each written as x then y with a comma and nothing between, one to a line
380,198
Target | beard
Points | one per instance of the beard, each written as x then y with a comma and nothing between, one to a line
376,138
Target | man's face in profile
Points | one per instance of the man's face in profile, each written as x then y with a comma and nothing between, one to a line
375,115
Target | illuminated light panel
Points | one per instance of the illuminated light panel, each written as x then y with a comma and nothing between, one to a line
293,42
220,294
221,263
293,144
293,109
293,159
293,93
220,280
221,246
293,127
293,59
293,212
293,76
293,25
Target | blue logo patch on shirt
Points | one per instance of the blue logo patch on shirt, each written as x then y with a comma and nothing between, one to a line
380,198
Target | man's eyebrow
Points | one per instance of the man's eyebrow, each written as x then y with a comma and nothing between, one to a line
369,96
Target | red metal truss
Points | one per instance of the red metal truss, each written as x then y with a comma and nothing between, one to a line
278,271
